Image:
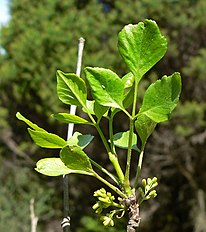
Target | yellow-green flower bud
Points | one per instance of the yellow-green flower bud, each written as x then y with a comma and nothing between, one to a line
149,180
154,179
144,182
107,221
153,193
95,206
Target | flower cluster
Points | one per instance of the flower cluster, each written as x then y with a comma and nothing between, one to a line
146,192
105,200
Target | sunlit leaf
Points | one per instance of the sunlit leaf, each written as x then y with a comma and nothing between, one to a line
128,80
107,88
141,46
52,167
76,160
161,98
28,122
47,140
71,89
70,118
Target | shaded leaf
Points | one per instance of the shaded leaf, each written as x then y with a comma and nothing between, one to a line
141,46
100,110
52,167
144,127
121,140
76,160
161,98
128,97
71,89
107,88
80,140
70,118
47,140
96,109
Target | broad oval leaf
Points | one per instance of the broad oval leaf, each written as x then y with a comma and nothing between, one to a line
70,118
107,88
76,160
144,127
80,140
141,46
52,167
121,140
28,122
47,140
71,89
161,98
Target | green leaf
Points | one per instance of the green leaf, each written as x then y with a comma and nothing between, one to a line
129,97
121,140
70,118
128,80
100,110
71,89
161,98
107,88
52,167
144,127
47,140
76,160
89,107
80,140
141,46
96,109
29,123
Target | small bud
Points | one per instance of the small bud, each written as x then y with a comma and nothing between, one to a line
147,197
149,181
154,185
104,199
144,182
154,179
95,206
147,188
153,193
107,221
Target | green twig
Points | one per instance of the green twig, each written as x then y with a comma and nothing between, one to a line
139,168
114,178
129,155
131,131
114,188
113,157
111,136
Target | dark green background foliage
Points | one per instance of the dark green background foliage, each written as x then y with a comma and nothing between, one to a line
42,37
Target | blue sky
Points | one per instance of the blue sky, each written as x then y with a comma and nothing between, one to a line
4,12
